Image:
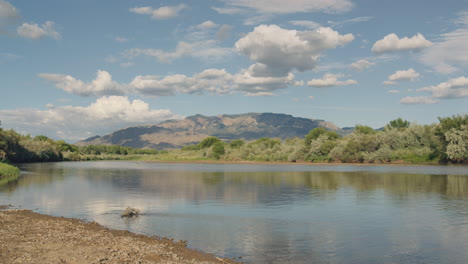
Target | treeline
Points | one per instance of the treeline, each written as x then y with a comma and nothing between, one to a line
446,142
17,148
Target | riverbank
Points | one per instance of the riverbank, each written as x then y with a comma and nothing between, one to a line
29,237
8,173
248,162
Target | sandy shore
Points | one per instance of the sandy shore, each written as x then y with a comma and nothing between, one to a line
28,237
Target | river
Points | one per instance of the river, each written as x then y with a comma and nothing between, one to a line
266,213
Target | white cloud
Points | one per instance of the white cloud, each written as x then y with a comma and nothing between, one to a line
417,100
393,91
102,85
361,65
207,25
392,43
229,10
449,52
165,12
350,21
256,20
404,75
248,81
452,89
9,16
214,81
278,51
34,31
329,80
74,123
305,23
291,6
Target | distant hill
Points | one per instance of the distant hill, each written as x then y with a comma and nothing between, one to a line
191,130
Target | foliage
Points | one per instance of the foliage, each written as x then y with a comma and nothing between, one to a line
366,130
457,148
400,141
236,143
399,123
7,170
217,150
208,142
317,132
445,125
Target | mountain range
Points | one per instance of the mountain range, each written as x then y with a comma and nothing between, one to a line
172,134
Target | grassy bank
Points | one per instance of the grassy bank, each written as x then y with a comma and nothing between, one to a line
8,173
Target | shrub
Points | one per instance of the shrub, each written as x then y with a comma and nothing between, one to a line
237,143
208,142
217,150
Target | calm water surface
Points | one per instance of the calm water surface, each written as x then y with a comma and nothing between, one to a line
267,213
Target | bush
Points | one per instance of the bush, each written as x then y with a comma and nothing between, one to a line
236,143
7,170
217,150
208,142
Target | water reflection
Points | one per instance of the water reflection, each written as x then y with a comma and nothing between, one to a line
289,215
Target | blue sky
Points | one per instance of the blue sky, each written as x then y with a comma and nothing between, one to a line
74,69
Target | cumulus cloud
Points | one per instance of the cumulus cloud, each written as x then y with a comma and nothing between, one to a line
9,16
305,23
392,43
165,12
286,7
207,25
361,65
329,80
417,100
453,88
278,51
34,31
448,52
102,85
404,75
74,123
214,81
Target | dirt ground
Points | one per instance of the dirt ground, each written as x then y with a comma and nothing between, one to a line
28,237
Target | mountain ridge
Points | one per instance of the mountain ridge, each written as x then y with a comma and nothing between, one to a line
176,133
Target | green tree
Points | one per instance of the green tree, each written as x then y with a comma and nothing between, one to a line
41,138
445,125
399,123
218,150
236,143
457,148
366,130
317,132
208,142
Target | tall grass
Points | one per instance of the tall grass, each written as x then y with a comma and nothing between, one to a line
8,173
